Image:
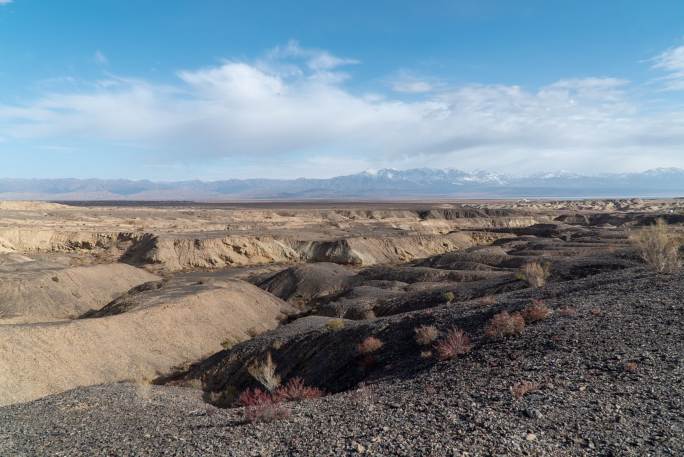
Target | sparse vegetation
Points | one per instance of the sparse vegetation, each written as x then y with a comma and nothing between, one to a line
535,312
295,390
568,311
487,300
596,312
265,373
631,367
369,345
519,390
658,247
448,296
535,273
335,324
505,324
227,344
454,344
426,334
261,407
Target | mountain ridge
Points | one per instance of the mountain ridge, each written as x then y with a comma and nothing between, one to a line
382,184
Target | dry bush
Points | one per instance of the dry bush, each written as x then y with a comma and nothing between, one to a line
631,367
368,315
335,324
658,247
265,373
519,390
369,345
364,396
295,390
567,311
261,407
426,334
596,312
535,273
487,300
455,343
448,296
535,312
505,324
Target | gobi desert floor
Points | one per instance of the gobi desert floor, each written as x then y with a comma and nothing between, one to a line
480,328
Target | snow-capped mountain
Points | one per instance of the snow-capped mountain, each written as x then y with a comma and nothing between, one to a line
385,184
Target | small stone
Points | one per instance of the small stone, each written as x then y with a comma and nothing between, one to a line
531,437
533,413
358,447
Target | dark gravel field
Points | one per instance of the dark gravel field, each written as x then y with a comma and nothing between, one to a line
605,376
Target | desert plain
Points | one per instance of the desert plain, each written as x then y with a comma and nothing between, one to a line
510,327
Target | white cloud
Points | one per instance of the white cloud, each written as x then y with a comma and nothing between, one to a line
412,87
298,112
672,62
406,82
6,2
100,58
316,59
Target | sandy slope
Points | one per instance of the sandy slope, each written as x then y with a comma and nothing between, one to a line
161,329
33,293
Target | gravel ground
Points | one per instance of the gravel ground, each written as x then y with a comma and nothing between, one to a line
591,400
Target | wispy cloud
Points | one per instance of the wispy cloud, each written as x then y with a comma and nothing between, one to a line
672,62
100,58
6,2
287,105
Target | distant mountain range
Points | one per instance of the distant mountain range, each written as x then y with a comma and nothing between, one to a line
386,184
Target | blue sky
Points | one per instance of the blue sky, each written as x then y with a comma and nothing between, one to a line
218,89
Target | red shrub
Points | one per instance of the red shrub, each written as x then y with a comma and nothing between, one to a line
521,389
455,343
295,390
253,397
568,311
261,407
537,311
369,345
504,324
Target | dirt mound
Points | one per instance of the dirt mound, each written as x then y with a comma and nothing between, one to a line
426,274
176,254
22,205
303,283
162,329
32,293
488,256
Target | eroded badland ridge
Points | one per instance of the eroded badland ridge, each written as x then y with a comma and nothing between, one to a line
479,328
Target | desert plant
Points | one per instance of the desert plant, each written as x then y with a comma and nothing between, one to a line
227,344
455,343
295,390
369,345
261,406
535,273
519,390
335,324
426,334
448,296
537,311
567,311
487,300
265,373
505,324
631,367
658,247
